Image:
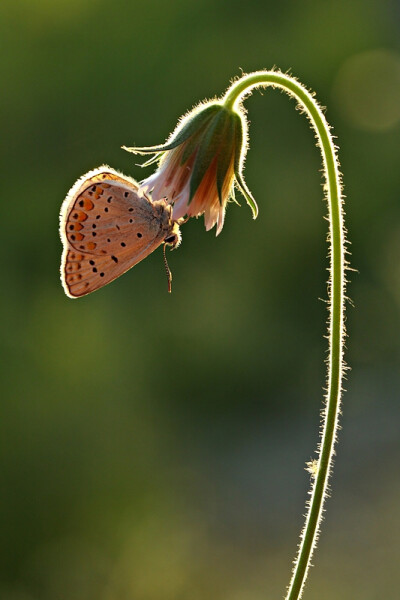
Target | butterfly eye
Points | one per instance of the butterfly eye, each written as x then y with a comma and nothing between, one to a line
172,240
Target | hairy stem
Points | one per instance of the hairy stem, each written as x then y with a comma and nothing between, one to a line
235,94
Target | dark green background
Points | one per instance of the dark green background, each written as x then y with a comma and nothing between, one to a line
153,446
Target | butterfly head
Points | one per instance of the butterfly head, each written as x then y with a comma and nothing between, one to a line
174,237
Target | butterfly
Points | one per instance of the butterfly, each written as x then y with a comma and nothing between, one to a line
108,225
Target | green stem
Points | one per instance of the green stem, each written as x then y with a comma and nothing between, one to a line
336,286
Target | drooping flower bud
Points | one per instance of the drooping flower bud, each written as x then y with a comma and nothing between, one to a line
200,164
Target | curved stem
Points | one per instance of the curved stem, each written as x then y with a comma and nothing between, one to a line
336,286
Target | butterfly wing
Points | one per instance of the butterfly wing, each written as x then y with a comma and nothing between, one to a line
107,226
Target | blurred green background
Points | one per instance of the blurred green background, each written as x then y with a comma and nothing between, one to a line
153,446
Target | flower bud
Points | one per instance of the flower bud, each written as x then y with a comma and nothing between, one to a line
200,163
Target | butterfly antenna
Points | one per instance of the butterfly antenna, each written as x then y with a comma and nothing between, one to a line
168,270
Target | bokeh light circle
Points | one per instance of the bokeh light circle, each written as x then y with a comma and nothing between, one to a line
367,89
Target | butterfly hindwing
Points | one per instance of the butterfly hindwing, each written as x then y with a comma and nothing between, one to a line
107,226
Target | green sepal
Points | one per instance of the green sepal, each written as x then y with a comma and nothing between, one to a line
192,125
233,197
149,150
156,158
190,147
225,154
241,185
208,148
238,141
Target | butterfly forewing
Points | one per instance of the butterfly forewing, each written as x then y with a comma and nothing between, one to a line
107,226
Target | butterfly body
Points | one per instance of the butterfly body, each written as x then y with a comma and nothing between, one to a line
108,225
